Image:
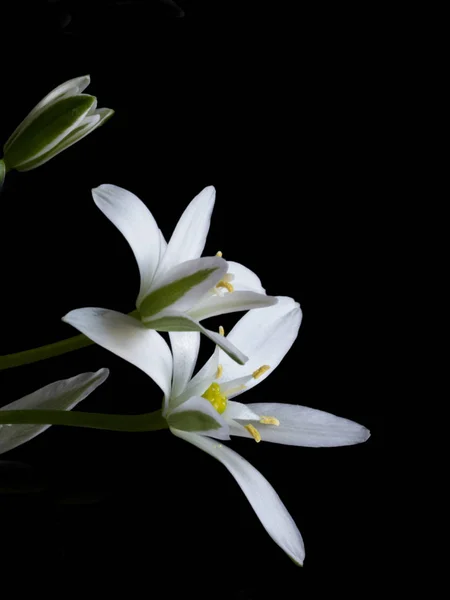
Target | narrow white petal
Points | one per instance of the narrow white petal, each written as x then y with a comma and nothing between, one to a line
136,223
198,385
265,336
302,426
244,279
128,338
175,321
185,346
163,246
237,410
197,415
265,501
230,302
60,395
182,287
189,237
65,90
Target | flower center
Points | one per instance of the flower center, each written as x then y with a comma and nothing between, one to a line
214,395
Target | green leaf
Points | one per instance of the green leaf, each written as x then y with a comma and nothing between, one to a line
48,129
165,296
193,420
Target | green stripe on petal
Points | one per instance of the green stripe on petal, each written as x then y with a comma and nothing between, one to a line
167,295
48,129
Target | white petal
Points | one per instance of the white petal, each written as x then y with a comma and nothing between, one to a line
133,219
198,385
189,237
230,302
65,90
60,395
302,426
175,321
265,336
182,287
197,415
244,278
128,338
265,501
185,346
163,245
237,410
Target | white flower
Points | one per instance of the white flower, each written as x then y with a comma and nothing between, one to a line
200,408
178,288
60,395
62,118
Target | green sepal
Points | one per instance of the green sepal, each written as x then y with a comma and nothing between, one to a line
193,420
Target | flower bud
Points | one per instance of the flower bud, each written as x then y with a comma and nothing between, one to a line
62,118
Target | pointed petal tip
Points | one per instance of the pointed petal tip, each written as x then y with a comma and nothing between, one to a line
104,188
365,434
103,372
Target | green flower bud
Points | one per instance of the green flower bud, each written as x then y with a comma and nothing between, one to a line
62,118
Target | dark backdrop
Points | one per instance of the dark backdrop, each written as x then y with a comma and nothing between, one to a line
282,112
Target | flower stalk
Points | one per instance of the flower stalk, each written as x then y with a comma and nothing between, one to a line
131,423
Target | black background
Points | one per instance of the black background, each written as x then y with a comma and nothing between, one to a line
283,112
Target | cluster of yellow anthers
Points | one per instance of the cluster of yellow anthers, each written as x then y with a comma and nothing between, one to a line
218,399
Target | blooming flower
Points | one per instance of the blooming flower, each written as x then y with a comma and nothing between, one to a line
60,395
62,118
178,288
201,407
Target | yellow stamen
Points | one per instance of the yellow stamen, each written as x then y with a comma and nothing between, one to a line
269,420
219,254
221,330
219,371
253,432
226,285
214,395
238,388
260,371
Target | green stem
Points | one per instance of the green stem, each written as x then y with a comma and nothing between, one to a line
132,423
35,354
30,356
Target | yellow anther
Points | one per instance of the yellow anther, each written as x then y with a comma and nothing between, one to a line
253,432
219,372
221,330
260,371
214,395
219,254
269,420
226,285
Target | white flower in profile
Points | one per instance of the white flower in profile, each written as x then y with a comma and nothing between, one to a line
200,408
178,289
62,118
60,395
